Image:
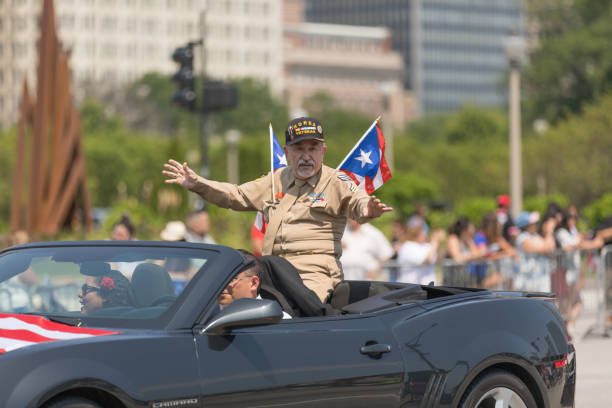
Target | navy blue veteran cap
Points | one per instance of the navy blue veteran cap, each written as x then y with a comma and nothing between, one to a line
302,129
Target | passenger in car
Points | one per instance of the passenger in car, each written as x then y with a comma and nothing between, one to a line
103,291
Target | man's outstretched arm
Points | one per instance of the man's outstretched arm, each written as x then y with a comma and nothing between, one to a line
246,197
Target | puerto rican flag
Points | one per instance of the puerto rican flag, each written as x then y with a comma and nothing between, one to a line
366,163
18,331
277,160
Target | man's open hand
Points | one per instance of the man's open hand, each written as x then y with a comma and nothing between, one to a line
375,208
180,174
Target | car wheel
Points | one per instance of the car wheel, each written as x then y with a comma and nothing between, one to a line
498,388
72,402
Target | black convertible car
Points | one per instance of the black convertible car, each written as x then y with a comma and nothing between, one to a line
138,324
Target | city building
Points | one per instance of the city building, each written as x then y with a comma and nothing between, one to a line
113,42
452,49
354,65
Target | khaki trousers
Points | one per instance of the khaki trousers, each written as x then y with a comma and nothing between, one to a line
319,272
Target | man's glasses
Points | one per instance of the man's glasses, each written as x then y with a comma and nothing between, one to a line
85,289
239,278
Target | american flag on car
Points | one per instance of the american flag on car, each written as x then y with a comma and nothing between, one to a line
18,331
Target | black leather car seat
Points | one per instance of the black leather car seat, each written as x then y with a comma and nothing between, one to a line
151,283
347,292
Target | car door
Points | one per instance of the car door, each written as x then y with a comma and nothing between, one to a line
308,362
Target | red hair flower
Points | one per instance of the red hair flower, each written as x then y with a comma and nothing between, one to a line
107,283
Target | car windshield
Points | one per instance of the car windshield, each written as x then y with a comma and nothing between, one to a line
127,282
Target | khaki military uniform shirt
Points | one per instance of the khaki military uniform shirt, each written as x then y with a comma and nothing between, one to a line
306,219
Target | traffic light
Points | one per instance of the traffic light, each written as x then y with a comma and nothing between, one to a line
219,95
185,96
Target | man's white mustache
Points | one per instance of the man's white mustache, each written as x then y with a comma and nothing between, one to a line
306,162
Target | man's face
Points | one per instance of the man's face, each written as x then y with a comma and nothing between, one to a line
244,285
225,298
305,157
199,224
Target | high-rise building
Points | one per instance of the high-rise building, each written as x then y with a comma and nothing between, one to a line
354,65
452,49
116,41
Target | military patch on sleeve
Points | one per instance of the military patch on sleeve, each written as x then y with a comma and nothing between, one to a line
345,177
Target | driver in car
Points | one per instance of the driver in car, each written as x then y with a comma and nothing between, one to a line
102,291
245,285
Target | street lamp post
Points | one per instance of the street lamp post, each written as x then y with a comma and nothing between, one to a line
514,47
388,89
232,137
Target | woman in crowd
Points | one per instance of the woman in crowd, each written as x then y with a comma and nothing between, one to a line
493,246
533,248
489,239
123,230
460,246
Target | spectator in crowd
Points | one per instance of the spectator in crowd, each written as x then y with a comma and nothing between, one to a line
603,230
173,231
364,250
418,217
571,242
489,239
416,257
107,290
460,246
198,228
509,230
123,230
534,269
180,269
493,246
398,229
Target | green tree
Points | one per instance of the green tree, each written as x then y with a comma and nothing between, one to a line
600,209
572,67
122,163
573,158
8,138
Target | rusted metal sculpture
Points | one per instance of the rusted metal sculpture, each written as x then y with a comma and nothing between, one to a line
50,158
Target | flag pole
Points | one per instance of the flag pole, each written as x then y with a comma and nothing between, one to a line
272,160
358,142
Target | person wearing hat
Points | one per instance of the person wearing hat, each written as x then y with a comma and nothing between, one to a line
509,229
308,211
173,231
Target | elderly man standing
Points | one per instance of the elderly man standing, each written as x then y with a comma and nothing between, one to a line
306,205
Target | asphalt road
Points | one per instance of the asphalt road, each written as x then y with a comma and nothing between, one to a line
594,364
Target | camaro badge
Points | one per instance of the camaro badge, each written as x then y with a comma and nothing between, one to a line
175,403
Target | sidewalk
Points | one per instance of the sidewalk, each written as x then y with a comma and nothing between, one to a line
594,365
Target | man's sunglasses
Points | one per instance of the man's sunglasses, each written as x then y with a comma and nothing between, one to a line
85,289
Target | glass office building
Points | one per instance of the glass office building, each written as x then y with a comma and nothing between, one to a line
452,49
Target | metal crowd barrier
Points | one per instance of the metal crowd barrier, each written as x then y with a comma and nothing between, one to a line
581,280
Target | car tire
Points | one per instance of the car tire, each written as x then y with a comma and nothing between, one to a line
72,402
498,385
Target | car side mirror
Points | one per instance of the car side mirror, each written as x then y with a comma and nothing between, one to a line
244,312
